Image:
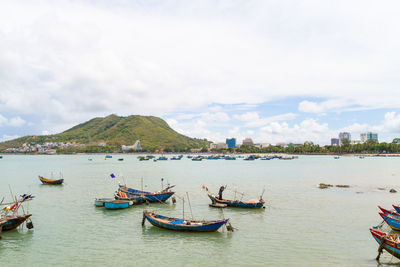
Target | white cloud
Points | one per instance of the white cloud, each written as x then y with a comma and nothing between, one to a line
391,122
16,122
85,58
13,122
252,119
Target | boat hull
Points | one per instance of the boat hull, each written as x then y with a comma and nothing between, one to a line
147,196
116,204
391,213
51,181
178,224
397,208
393,222
237,204
13,222
99,202
388,245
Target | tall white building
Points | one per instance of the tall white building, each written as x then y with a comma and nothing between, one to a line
368,136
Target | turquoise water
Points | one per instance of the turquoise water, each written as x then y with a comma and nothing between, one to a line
301,226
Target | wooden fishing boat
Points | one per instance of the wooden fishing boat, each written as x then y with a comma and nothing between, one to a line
237,203
177,224
397,208
389,212
99,202
388,242
150,197
136,199
117,204
392,221
13,221
50,181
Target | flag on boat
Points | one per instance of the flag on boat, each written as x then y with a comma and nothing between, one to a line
112,175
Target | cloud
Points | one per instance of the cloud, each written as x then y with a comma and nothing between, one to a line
14,122
252,119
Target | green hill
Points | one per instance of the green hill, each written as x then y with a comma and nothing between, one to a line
153,132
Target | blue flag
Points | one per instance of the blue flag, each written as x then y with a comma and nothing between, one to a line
112,175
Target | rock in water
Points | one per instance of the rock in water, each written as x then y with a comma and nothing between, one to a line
324,186
343,185
393,190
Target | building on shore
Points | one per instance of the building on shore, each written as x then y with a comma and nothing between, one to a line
368,136
231,142
135,147
344,135
335,142
218,145
247,141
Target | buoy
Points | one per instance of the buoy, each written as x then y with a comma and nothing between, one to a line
204,186
29,224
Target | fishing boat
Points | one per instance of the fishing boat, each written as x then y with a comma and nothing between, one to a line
336,157
389,212
120,159
108,157
150,197
237,203
117,204
392,221
397,208
13,221
162,158
50,181
177,224
99,202
388,242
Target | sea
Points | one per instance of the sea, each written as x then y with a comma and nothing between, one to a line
302,225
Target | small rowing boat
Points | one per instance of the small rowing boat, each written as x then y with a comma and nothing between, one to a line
117,204
183,225
99,202
50,181
237,203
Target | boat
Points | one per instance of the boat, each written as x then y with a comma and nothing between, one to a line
162,158
117,204
392,221
108,157
230,158
1,157
150,197
336,157
13,221
397,208
389,212
237,203
197,159
250,158
177,224
99,202
50,181
388,242
121,159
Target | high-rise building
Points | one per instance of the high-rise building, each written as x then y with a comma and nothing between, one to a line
368,136
247,141
335,141
231,142
344,135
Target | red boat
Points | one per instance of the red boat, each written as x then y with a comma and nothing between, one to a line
388,242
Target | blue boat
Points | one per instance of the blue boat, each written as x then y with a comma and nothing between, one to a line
108,156
237,203
388,242
150,197
99,202
389,212
183,225
393,222
162,158
117,204
397,208
197,159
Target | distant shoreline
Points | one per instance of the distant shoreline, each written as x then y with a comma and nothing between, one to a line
212,153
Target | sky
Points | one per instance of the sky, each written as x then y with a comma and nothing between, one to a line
274,71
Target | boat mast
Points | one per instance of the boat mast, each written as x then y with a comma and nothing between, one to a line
190,206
